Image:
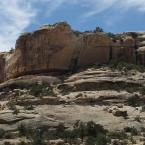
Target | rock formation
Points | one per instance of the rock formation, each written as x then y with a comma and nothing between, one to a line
2,67
40,108
57,48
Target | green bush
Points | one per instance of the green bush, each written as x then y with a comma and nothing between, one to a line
35,135
2,133
94,129
133,101
122,65
118,135
112,35
23,143
101,139
22,130
81,130
98,29
7,143
39,90
143,108
29,107
131,130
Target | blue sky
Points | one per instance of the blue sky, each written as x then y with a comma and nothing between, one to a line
17,16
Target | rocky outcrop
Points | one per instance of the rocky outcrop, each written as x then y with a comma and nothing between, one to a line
57,49
113,99
141,49
124,50
95,48
2,67
47,49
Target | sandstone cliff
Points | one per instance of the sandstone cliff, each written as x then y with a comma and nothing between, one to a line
58,48
105,101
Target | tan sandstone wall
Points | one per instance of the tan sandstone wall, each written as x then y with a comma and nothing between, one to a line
124,50
49,48
95,49
58,48
2,67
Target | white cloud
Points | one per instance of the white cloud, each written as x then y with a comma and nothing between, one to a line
137,4
17,15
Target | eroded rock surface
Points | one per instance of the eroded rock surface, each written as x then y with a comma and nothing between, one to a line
57,49
113,99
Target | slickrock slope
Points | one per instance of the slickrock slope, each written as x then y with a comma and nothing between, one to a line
63,87
114,99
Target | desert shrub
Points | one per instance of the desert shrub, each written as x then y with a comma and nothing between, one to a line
122,65
16,111
142,90
133,141
134,35
137,118
143,108
35,135
66,89
112,35
22,130
7,143
29,107
36,90
125,114
82,130
94,129
60,131
99,140
77,33
2,133
23,143
8,135
5,134
133,101
118,135
41,90
131,130
99,29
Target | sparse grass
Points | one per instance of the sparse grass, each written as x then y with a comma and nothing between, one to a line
133,141
137,118
29,107
123,66
16,111
133,101
118,135
131,130
23,143
66,89
39,90
77,33
2,133
35,135
88,133
94,133
143,108
7,143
